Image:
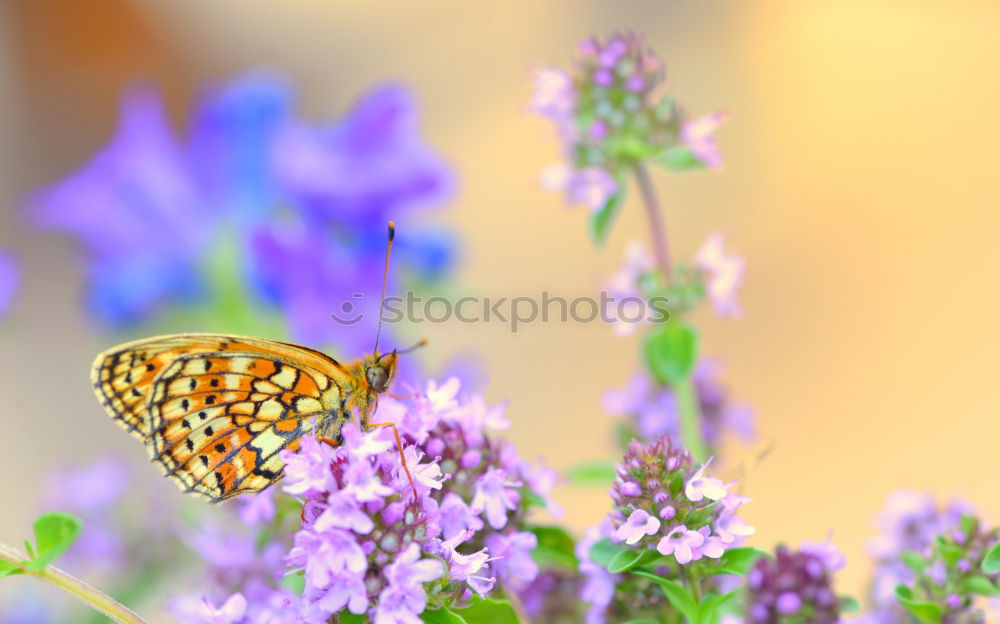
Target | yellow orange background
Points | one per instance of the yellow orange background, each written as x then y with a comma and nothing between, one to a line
860,186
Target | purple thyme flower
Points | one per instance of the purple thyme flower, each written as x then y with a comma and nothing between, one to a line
599,585
651,408
697,522
404,598
590,187
724,275
8,281
512,552
909,522
699,135
495,496
796,585
363,531
611,113
639,523
914,524
623,286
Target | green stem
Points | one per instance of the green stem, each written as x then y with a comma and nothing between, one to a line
687,408
83,592
687,399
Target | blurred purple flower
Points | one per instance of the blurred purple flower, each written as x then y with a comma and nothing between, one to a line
512,552
599,585
792,583
699,135
724,275
139,214
368,168
590,187
305,206
8,281
652,408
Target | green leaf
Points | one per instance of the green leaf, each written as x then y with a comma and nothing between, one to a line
599,473
991,562
913,560
532,498
641,622
950,551
926,612
678,158
601,220
680,598
849,605
671,351
54,534
711,608
556,548
350,618
968,525
737,561
444,615
9,569
482,611
295,583
980,585
625,560
603,551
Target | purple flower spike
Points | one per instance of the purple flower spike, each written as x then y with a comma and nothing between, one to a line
791,583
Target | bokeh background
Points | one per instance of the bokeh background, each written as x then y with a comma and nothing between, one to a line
860,186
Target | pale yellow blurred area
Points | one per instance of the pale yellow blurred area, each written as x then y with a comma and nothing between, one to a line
860,186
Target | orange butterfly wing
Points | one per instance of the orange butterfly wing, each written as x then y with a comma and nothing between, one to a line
214,410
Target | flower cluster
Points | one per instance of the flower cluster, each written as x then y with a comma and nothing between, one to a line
611,113
935,553
794,587
651,408
909,523
253,192
662,502
365,546
8,281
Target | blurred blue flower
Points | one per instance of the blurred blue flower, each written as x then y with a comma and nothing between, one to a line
233,143
370,167
306,204
8,280
139,214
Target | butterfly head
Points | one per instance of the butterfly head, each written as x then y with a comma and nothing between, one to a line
380,370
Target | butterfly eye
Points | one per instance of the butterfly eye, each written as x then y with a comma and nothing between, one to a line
377,378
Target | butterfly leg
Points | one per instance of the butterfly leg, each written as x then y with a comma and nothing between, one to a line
402,456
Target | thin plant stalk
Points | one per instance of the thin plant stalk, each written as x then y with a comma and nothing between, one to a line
91,596
687,398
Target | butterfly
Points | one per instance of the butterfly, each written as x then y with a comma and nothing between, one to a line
215,410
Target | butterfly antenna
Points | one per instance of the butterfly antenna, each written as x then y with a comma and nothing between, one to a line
385,280
422,343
